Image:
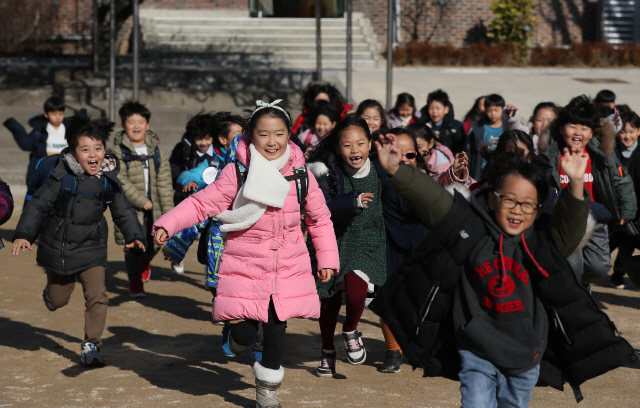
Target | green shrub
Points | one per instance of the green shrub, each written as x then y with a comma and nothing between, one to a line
513,23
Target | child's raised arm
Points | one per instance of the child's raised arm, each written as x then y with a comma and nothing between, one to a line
569,220
426,197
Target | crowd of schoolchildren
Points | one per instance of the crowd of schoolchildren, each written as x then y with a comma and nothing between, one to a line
477,240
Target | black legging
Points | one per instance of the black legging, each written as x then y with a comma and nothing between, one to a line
245,332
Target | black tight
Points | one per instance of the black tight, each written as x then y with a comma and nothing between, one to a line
245,332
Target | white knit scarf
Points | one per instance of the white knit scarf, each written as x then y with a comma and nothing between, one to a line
265,187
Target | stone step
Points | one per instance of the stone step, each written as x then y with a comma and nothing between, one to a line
257,52
248,21
361,48
282,39
249,31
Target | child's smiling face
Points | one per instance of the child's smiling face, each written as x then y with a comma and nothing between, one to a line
437,111
270,137
136,127
405,110
354,147
576,135
373,118
203,143
514,221
629,134
542,120
89,154
407,147
323,126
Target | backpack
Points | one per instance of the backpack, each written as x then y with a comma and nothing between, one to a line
41,174
128,156
300,176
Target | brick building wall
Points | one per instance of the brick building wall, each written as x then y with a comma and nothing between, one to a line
455,22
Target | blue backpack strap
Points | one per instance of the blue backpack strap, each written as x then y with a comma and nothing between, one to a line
41,173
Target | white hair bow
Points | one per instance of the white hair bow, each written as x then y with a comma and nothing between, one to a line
260,104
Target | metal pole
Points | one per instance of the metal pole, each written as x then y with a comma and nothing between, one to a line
96,68
112,62
136,52
389,52
349,49
318,43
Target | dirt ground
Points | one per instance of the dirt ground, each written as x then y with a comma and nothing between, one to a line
163,351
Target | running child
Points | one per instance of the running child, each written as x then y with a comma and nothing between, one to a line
265,277
324,118
438,114
353,191
146,180
579,127
319,91
47,135
474,114
73,230
404,112
489,295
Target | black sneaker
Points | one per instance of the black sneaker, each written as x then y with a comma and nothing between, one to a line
392,361
327,365
617,282
45,293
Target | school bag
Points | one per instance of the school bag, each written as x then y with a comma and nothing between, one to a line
68,190
128,157
300,176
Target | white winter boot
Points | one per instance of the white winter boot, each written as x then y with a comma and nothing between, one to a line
267,382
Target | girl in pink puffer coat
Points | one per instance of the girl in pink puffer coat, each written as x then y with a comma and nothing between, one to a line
265,274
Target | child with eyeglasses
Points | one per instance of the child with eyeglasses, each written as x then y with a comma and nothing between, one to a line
489,297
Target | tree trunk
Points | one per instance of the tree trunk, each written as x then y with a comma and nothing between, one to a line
124,10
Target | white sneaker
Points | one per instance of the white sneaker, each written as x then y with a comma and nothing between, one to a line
90,356
178,267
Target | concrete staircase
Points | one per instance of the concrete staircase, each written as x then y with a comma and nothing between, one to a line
233,40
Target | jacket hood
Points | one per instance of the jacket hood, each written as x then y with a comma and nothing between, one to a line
151,140
296,159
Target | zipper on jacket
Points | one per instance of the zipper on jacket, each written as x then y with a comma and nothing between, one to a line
427,306
559,326
66,228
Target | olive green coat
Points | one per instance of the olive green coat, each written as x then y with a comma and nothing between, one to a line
160,188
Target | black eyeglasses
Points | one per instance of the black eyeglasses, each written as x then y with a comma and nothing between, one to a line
510,203
411,155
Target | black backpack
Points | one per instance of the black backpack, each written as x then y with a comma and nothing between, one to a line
128,156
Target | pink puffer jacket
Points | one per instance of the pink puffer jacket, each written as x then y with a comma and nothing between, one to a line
269,259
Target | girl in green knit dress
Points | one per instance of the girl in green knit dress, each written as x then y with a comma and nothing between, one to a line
353,190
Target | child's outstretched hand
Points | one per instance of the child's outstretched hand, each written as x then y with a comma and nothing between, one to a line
136,245
325,274
574,164
190,186
389,154
511,110
161,236
460,163
19,244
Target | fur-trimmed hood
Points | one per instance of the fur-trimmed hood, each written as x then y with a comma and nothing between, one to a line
110,164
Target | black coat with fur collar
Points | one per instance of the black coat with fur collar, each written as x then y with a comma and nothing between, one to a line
75,239
416,303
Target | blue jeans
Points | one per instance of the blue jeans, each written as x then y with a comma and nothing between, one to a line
483,385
